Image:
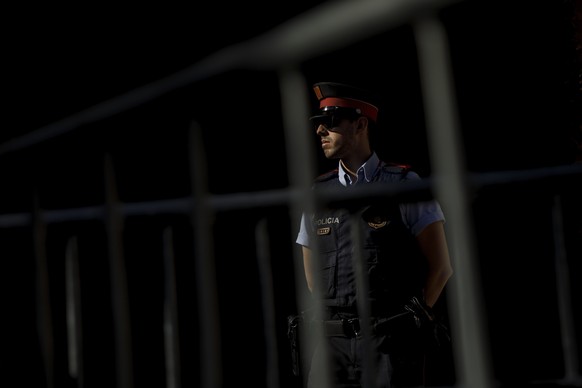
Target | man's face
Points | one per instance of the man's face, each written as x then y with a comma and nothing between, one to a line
336,137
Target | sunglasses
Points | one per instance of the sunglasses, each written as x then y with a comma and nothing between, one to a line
328,121
333,119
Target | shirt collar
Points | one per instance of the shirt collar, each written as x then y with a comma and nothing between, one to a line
365,172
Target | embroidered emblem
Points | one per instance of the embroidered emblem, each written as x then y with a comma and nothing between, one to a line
323,231
378,222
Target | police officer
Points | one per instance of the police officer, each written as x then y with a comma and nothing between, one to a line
403,246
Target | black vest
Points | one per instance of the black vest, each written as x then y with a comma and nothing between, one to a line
392,261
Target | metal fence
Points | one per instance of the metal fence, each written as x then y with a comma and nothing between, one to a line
194,351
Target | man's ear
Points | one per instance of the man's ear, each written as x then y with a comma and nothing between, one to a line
362,123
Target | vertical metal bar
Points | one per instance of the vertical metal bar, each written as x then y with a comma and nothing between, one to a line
44,322
171,337
295,111
471,352
568,333
268,302
202,214
73,311
369,364
119,292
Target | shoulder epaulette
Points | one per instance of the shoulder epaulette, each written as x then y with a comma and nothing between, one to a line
396,168
333,174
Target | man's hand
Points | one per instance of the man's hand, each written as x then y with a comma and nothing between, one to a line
422,313
436,332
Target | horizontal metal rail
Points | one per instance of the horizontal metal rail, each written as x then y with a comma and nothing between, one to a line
559,176
318,31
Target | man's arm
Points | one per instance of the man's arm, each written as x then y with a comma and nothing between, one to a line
307,266
433,245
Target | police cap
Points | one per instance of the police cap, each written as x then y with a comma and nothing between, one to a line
346,100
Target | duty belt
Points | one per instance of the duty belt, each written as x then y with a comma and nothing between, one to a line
342,328
353,328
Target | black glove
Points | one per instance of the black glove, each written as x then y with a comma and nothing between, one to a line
435,333
422,313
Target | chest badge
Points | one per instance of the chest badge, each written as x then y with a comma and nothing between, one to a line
378,222
323,231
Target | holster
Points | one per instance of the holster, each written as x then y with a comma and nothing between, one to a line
293,323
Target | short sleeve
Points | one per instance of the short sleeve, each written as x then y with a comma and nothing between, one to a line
304,236
417,215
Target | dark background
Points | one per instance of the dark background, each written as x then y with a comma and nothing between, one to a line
516,77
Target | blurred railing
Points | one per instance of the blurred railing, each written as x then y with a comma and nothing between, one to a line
325,28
